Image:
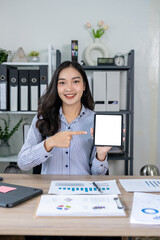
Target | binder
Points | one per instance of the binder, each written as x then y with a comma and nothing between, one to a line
113,91
99,90
13,89
4,103
33,89
58,58
23,90
43,71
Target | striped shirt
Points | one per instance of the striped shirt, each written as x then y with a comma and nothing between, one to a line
78,159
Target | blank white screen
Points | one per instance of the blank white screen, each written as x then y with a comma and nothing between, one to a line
108,130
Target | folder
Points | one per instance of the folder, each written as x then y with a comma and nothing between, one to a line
4,103
43,71
58,58
113,91
99,90
13,89
33,89
23,90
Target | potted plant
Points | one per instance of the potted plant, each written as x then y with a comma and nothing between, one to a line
4,55
33,56
6,133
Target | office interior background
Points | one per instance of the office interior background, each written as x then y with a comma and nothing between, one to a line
133,24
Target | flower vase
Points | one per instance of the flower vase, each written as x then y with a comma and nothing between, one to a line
4,148
94,51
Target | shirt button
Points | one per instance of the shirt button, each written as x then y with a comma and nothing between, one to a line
46,156
66,152
69,128
66,165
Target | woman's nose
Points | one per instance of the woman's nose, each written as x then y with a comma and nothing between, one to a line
69,86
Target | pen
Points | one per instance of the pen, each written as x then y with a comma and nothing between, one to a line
118,202
97,187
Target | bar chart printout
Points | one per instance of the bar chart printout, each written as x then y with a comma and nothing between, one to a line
83,187
141,185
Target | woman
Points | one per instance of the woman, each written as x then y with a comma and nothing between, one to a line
60,137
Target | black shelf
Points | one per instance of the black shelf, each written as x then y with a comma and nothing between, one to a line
106,68
127,154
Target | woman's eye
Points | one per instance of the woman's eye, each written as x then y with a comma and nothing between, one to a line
61,83
76,81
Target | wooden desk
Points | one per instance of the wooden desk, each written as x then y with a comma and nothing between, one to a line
21,220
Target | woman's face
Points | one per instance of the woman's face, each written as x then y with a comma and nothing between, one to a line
70,86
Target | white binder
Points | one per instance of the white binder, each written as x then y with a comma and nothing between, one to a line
34,89
13,83
99,90
23,90
113,91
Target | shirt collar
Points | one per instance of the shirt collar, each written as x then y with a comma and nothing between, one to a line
83,111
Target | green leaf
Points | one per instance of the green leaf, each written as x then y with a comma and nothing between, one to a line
6,133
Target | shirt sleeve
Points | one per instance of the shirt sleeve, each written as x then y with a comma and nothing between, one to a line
98,167
33,152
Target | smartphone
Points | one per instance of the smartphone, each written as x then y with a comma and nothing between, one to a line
108,129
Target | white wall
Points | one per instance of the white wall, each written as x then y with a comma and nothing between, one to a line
133,24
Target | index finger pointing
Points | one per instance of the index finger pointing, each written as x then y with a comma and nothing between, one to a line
77,132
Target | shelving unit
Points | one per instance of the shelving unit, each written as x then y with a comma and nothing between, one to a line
127,154
28,65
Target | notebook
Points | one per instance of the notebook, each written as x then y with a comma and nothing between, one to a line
12,195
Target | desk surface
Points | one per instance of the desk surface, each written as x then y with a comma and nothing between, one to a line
21,220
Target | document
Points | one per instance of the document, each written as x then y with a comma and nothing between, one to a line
84,187
145,208
79,205
141,185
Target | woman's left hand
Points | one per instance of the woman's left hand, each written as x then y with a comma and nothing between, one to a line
101,151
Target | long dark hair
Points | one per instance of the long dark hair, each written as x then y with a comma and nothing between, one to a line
48,121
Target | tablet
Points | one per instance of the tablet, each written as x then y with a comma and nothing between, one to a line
12,195
108,129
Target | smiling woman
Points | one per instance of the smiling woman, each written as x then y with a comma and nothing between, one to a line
60,137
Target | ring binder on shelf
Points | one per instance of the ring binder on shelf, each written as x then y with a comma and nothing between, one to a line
13,89
43,71
23,90
33,89
99,90
3,88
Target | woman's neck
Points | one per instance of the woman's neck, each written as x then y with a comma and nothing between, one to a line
71,112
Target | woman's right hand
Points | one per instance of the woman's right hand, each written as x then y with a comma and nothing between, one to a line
61,139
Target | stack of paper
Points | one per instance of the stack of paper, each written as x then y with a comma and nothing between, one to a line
145,208
80,205
141,185
83,187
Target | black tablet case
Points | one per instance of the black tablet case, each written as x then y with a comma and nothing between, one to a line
17,196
